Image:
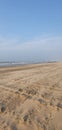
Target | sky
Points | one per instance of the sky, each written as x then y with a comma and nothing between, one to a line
30,30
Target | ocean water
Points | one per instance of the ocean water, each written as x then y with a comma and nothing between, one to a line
2,64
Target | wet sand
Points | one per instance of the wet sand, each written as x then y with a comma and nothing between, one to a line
31,97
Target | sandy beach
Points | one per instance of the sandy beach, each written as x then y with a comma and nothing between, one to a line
31,97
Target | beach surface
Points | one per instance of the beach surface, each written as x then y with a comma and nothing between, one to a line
31,97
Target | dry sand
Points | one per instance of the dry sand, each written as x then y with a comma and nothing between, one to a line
31,97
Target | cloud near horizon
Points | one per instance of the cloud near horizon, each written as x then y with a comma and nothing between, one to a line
43,48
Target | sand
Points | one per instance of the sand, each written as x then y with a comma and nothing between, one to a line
31,97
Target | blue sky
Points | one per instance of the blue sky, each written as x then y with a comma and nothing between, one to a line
30,30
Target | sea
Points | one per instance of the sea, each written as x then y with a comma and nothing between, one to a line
3,64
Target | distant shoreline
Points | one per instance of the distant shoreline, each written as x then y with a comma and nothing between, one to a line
15,64
10,64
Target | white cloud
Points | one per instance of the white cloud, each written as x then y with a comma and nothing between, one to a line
47,48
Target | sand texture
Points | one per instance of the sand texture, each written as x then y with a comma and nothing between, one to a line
31,97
